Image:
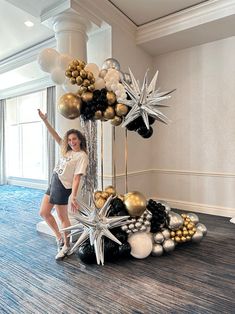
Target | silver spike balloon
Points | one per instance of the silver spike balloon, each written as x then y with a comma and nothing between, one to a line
144,100
94,224
202,227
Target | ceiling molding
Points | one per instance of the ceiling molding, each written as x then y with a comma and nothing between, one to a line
25,56
26,88
194,16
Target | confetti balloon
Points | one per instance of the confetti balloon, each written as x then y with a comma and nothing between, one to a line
141,244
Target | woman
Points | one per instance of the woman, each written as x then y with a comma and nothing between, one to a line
64,183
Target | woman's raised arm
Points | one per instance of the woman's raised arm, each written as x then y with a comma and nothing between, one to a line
51,130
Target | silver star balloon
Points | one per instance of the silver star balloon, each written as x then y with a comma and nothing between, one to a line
144,100
94,224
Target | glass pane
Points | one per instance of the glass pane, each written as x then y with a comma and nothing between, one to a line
11,111
32,161
13,151
28,105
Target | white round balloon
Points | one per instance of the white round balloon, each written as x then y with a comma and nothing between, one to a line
99,83
47,59
58,76
63,61
141,244
92,67
70,88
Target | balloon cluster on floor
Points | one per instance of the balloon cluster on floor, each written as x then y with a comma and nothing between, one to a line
105,94
121,226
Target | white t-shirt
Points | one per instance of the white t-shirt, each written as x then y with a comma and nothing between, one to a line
73,163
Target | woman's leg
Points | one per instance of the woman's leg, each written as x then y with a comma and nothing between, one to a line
45,213
62,212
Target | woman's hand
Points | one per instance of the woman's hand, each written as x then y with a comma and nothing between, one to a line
74,205
42,115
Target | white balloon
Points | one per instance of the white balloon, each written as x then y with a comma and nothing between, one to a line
92,67
141,244
63,61
47,59
70,88
99,83
58,76
114,87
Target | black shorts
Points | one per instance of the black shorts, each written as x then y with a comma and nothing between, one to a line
59,195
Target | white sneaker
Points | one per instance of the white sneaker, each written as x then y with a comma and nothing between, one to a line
62,253
60,244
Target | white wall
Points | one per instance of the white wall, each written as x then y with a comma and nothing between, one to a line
194,156
131,56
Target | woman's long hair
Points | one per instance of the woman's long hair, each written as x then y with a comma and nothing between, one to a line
65,146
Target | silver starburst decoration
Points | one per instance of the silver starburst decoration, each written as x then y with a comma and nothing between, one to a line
144,100
94,224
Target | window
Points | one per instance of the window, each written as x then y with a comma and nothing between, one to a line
26,137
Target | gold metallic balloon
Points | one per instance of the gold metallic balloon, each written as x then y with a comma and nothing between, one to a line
188,238
90,75
183,215
110,190
79,80
97,195
111,97
100,202
109,113
75,73
83,74
83,89
177,239
104,195
121,110
91,87
190,225
135,203
72,80
98,115
191,232
185,233
116,121
179,233
86,83
172,233
68,73
69,106
183,239
75,62
87,96
82,64
72,67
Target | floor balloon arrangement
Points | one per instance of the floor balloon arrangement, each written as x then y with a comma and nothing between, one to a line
121,226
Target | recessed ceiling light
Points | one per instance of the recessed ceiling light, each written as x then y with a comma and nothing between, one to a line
29,23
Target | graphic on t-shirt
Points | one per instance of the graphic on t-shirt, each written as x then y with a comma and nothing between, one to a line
61,165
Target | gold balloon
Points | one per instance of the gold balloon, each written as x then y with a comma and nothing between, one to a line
104,195
191,232
75,62
190,225
72,80
72,67
86,83
111,97
69,106
79,80
110,190
98,115
91,87
82,64
135,203
100,202
188,238
109,113
183,215
172,233
83,89
177,239
183,239
83,74
179,233
75,73
185,233
121,110
87,96
97,195
68,73
116,121
90,75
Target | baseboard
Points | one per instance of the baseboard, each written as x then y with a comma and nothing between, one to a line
200,208
28,183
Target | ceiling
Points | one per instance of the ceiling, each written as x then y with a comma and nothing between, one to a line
141,12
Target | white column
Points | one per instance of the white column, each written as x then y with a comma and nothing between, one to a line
71,37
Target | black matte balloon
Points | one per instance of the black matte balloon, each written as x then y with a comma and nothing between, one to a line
111,251
125,250
151,120
86,253
149,133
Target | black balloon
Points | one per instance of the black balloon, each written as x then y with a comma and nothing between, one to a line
151,120
125,250
111,250
148,133
86,253
159,216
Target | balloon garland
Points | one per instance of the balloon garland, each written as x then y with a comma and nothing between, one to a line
129,225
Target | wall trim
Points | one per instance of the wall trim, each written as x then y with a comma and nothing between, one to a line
196,15
29,183
176,172
200,208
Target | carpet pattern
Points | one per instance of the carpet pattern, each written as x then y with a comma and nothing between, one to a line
192,279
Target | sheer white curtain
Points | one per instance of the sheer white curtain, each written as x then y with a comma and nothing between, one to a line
3,179
50,140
